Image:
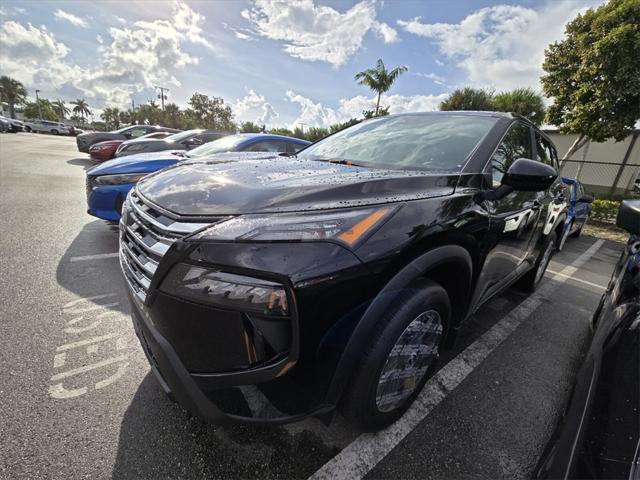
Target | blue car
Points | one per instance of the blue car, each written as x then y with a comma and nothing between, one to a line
109,183
578,211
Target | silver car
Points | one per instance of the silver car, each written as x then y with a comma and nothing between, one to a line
46,126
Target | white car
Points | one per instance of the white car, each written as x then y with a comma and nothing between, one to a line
46,126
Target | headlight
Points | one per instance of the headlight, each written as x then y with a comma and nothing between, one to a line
227,290
118,179
349,227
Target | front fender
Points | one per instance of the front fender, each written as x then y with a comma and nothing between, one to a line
417,268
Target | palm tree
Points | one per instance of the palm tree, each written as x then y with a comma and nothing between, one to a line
13,93
111,116
379,79
61,108
468,98
81,108
523,101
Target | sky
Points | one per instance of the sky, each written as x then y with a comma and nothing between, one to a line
277,62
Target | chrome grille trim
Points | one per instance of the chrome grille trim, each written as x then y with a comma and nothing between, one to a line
146,234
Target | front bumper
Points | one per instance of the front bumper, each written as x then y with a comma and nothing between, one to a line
187,388
106,201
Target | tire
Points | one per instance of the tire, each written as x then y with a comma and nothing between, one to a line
578,232
54,132
419,315
530,281
27,129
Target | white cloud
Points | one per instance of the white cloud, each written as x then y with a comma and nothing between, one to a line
500,46
437,79
71,18
11,12
135,58
315,32
99,39
315,114
254,108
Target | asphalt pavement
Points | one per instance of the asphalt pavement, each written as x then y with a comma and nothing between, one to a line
77,398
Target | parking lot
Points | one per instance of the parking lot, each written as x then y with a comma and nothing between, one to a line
79,400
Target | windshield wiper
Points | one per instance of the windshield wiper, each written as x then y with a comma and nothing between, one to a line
339,161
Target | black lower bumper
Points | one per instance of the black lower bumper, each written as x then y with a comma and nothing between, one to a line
184,387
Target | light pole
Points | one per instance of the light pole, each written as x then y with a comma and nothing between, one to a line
39,106
161,95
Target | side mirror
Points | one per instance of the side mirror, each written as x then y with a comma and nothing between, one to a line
586,199
194,141
629,216
529,175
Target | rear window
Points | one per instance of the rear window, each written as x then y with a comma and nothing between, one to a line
405,142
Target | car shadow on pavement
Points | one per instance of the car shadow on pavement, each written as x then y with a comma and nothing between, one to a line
90,268
158,439
84,162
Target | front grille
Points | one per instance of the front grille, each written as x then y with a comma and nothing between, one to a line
146,233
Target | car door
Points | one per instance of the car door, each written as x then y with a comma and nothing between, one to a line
514,217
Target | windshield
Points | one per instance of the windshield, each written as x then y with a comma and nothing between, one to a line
178,137
405,142
224,144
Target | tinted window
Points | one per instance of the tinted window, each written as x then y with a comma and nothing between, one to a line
209,137
516,144
224,144
181,136
137,132
544,153
267,146
294,147
405,142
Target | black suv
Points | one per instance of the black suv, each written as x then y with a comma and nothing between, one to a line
267,290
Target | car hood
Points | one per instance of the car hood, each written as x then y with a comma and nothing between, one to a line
222,185
140,163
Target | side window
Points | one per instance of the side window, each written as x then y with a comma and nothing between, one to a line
210,137
516,144
267,146
543,151
137,132
294,147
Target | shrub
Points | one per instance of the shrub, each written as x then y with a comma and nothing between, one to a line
605,210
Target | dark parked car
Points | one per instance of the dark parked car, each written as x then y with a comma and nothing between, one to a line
599,436
11,125
180,141
85,140
578,213
336,275
106,150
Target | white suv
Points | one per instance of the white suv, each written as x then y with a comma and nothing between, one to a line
46,126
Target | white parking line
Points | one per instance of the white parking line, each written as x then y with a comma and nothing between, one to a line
579,280
366,451
98,256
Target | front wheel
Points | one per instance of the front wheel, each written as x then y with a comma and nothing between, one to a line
394,367
532,279
54,132
27,129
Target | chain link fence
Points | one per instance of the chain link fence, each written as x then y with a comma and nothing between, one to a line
605,178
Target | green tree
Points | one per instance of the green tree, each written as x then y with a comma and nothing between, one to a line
172,116
286,132
250,127
13,93
523,101
593,75
81,108
336,127
382,112
379,79
149,113
111,116
468,98
205,112
31,110
127,117
61,108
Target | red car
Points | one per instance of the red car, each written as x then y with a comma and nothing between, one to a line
103,151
